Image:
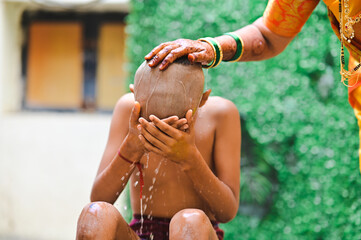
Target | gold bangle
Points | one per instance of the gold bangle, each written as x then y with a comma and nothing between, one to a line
217,50
240,47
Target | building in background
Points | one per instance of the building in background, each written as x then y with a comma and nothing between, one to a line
62,62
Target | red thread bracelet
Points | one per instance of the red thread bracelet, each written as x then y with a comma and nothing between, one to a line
139,166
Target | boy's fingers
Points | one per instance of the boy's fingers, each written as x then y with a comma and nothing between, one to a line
178,124
169,130
152,130
152,140
135,113
189,117
170,120
184,127
149,147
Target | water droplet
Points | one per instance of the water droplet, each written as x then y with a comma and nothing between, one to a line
153,180
150,188
122,178
147,154
136,183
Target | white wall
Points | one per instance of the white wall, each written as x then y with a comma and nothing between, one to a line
48,161
11,37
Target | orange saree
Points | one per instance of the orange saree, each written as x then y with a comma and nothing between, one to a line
287,17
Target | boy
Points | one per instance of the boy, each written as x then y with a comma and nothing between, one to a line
190,170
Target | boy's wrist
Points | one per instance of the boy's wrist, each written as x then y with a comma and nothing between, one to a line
191,161
130,150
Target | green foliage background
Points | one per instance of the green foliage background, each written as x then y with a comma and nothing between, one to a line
300,177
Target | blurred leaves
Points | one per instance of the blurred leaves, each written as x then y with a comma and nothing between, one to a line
302,166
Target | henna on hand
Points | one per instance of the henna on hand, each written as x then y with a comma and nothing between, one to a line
167,53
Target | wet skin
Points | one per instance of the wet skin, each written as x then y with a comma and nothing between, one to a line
172,190
207,185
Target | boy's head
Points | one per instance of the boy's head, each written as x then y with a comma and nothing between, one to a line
171,92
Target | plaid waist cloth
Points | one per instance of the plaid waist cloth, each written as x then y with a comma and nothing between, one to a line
157,228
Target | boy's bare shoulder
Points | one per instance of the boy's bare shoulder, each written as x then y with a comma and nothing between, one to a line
125,103
219,106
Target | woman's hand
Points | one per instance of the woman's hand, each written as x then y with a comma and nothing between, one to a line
163,139
168,52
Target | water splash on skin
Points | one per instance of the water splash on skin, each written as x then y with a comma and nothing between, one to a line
147,155
178,180
187,215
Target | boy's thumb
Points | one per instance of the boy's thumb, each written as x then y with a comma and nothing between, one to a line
135,112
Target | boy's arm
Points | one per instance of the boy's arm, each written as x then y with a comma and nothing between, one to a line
114,172
221,192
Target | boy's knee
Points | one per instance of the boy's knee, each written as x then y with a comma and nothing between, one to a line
188,222
190,215
98,210
96,215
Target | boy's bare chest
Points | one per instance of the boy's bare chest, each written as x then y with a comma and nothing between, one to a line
156,164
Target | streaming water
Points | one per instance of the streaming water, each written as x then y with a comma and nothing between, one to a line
150,96
151,187
141,199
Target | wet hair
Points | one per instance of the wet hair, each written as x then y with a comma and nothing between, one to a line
170,92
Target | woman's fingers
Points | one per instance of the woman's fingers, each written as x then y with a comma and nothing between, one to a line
173,55
155,50
167,53
200,57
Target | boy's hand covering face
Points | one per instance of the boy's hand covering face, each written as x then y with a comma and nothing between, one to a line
133,133
166,140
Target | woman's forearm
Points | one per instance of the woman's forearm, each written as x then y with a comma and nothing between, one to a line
259,43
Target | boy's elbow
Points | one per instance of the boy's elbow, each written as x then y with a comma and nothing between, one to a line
93,197
226,216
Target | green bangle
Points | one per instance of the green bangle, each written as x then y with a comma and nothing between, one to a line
218,54
239,52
